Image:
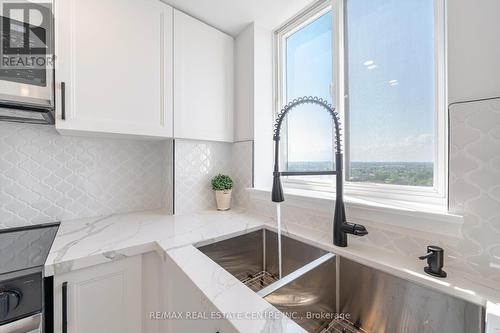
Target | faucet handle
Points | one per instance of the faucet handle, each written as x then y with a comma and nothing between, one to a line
359,230
354,229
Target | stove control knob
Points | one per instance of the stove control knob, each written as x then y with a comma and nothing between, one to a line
9,300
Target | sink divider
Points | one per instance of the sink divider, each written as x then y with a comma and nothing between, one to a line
294,275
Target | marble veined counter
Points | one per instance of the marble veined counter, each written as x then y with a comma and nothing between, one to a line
87,242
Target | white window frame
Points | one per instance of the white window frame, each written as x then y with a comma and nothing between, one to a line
437,194
302,19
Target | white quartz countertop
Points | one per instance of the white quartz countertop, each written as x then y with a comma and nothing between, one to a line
86,242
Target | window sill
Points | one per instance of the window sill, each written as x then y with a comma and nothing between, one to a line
427,218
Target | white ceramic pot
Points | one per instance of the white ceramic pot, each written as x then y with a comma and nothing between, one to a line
223,199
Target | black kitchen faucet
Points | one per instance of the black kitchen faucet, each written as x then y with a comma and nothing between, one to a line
340,226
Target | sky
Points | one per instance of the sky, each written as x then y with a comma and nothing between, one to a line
391,88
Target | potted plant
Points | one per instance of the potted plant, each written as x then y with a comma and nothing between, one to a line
222,185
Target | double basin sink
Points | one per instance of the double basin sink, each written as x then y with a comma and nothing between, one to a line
324,292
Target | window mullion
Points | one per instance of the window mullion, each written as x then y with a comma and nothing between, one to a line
340,79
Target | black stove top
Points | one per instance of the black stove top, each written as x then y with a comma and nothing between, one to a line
25,247
23,252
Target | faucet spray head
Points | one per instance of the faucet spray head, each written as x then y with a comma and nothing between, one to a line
277,192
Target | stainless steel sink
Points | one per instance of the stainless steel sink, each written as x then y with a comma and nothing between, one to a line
374,302
324,293
253,257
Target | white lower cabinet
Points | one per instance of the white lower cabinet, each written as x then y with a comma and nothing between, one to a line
101,299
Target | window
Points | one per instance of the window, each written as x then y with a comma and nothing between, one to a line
391,89
387,60
309,73
307,137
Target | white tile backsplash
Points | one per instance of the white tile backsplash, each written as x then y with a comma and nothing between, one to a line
45,176
196,162
475,185
242,172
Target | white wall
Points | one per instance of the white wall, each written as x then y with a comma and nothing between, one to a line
473,49
244,85
254,98
263,97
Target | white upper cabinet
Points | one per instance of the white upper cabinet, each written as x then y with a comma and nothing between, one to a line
203,81
114,58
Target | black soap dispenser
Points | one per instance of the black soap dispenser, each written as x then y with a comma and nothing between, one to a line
435,261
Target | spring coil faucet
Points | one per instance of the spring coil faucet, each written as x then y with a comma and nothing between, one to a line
340,226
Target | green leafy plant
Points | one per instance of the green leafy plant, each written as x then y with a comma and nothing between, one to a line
222,183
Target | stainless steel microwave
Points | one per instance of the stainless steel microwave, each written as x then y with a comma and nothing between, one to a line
27,62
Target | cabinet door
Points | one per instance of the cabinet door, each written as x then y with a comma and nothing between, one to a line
115,60
100,299
203,81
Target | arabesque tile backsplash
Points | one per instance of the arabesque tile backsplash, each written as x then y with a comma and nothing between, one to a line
475,185
47,177
196,162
